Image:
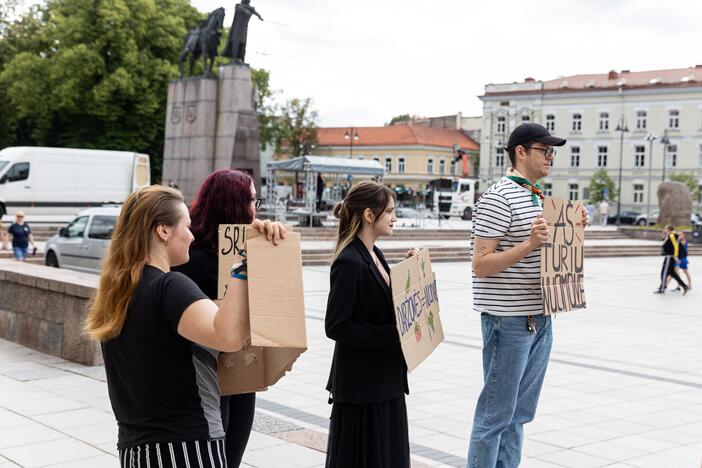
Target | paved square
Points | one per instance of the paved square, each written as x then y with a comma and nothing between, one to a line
623,389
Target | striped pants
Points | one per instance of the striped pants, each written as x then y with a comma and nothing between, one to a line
668,269
190,454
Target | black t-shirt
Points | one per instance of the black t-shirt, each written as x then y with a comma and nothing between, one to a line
203,269
20,234
163,387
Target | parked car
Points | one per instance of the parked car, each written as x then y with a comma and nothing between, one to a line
643,220
626,217
84,242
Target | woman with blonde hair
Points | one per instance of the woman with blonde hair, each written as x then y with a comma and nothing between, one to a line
368,378
158,333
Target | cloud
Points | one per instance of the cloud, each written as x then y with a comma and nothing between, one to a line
364,61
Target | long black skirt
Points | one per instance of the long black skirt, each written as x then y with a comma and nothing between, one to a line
369,435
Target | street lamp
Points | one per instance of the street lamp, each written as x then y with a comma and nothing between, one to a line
621,128
650,138
351,135
664,141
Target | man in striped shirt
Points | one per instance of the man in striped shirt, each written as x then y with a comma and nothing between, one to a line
507,234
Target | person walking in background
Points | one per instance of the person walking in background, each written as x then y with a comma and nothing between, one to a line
590,210
226,197
507,234
21,235
682,263
159,334
670,251
368,378
603,210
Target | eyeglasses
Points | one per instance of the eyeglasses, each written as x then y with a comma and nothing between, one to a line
546,151
257,203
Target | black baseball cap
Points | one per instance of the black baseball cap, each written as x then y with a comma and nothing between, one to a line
532,132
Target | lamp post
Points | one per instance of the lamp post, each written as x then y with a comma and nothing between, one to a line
621,128
664,141
650,138
351,134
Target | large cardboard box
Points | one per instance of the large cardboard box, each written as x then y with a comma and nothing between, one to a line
416,308
562,256
276,309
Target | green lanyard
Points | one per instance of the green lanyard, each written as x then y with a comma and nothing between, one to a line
536,193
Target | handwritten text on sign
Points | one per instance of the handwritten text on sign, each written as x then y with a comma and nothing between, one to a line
416,308
562,256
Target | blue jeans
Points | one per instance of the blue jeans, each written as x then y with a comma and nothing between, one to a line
514,366
20,253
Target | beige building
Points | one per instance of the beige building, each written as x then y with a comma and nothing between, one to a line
660,112
412,155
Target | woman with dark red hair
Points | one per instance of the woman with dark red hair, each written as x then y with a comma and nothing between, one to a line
226,197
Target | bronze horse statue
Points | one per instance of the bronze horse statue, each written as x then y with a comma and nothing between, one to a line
203,41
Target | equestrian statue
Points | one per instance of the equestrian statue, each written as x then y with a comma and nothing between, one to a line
203,41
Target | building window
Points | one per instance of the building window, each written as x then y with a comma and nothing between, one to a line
639,156
671,159
674,119
577,123
500,156
638,193
548,189
453,167
640,120
574,156
699,154
430,166
388,165
401,166
601,156
376,159
501,124
551,123
442,166
526,118
604,121
573,191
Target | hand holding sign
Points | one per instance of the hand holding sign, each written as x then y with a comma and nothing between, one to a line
539,231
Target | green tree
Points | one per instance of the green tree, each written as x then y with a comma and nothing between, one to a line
266,108
296,124
398,119
691,181
599,183
92,74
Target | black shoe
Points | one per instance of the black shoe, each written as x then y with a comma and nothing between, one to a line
685,290
677,289
658,291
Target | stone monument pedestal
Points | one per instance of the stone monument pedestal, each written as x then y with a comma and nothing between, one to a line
211,124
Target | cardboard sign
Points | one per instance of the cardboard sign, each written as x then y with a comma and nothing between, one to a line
276,308
562,256
416,306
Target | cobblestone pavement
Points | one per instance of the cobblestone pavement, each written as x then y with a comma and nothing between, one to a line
623,389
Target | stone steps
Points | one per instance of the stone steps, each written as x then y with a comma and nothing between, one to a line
462,254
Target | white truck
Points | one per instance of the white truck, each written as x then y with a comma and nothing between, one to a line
454,197
63,181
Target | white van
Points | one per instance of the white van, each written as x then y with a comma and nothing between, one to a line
63,181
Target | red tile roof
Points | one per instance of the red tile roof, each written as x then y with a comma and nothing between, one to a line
679,77
396,135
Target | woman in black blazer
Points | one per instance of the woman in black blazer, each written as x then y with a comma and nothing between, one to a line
368,377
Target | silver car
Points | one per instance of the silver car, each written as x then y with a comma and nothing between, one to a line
83,244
